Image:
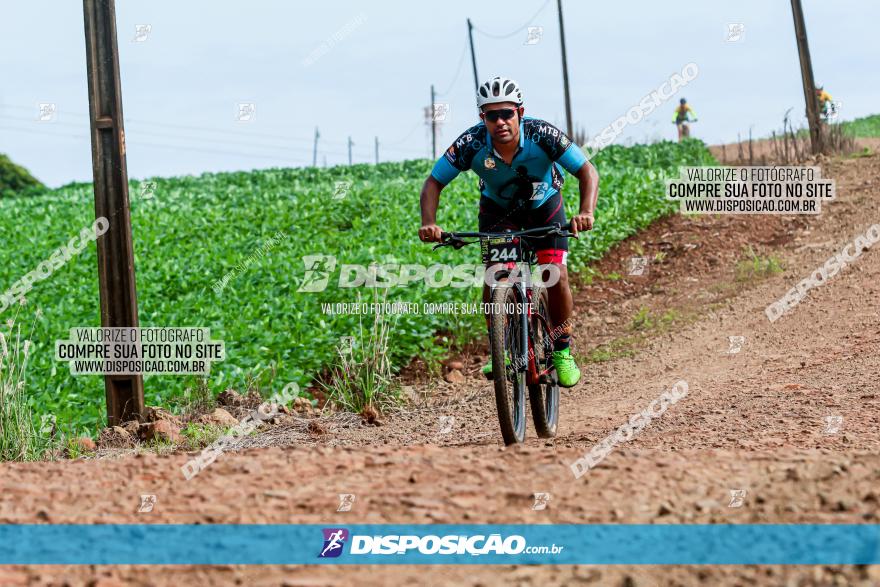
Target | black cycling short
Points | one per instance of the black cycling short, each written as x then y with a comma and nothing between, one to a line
550,249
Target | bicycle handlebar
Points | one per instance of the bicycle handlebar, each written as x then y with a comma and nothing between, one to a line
454,239
531,232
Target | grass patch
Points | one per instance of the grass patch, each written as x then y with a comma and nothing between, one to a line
643,324
616,349
865,152
20,439
161,447
198,435
755,267
585,277
644,320
196,399
361,377
73,450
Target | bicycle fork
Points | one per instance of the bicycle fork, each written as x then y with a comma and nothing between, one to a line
527,362
523,363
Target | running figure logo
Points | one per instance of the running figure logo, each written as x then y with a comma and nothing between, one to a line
737,498
147,504
638,265
832,424
334,540
736,344
346,501
318,270
541,501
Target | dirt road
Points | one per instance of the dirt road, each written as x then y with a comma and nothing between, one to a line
791,419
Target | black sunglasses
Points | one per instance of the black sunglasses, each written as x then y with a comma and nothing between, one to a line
503,114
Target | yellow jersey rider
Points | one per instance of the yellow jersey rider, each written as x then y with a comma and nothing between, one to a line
827,107
683,114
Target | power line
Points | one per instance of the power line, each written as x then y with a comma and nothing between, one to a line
133,137
510,34
457,71
54,134
218,151
408,135
136,132
135,143
138,121
231,133
138,143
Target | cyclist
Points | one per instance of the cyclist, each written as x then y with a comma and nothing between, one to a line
683,114
827,107
519,161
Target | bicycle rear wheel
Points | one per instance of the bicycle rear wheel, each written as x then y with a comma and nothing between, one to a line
509,377
543,397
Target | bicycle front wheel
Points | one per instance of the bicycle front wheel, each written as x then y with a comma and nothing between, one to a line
544,397
505,340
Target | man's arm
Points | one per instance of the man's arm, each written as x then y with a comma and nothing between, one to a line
588,182
568,155
430,200
456,159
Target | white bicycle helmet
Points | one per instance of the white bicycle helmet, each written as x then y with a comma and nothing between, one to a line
499,89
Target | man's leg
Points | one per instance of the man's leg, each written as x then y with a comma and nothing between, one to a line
553,250
561,306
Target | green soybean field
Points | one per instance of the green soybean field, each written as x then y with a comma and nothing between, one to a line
229,252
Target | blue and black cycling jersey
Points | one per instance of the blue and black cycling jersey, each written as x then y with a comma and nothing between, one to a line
533,176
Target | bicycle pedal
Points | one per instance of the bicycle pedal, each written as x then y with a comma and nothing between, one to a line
545,379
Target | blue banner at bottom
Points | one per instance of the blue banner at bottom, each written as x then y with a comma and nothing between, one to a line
550,544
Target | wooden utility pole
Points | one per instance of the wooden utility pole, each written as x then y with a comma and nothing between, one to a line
125,393
433,125
377,149
315,149
800,31
473,56
349,150
565,72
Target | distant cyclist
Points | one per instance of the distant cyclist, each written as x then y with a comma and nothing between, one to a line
519,161
827,107
684,114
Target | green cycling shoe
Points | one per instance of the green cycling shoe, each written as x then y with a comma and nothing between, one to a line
487,368
566,369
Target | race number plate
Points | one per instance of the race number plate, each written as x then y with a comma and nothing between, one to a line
500,249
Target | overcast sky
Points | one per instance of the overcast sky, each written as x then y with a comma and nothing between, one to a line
364,69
